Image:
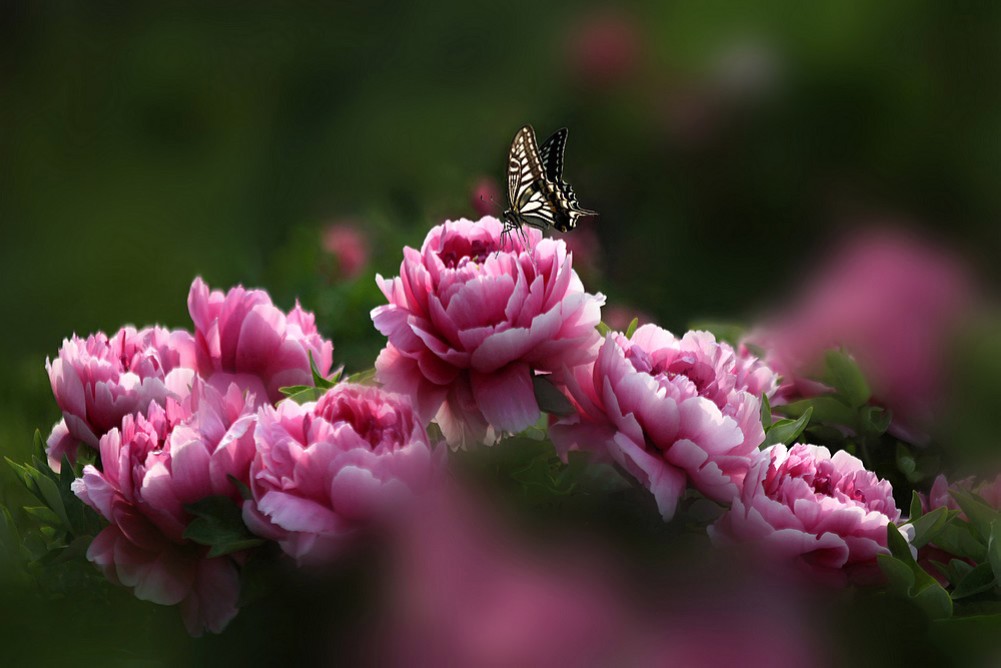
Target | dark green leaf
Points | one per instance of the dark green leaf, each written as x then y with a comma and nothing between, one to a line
994,548
245,493
976,581
959,540
927,527
218,523
875,419
318,379
766,412
899,574
844,375
916,511
980,514
550,399
786,431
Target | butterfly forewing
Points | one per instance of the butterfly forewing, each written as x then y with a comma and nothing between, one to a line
551,155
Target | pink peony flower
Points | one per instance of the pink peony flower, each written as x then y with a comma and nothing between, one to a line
670,411
325,470
152,467
472,317
939,496
243,335
893,301
347,244
99,380
828,515
605,49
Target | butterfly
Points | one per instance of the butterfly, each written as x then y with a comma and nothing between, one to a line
537,194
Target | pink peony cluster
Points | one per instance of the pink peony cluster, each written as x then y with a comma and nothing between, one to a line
324,470
239,337
99,380
670,411
151,468
473,316
826,514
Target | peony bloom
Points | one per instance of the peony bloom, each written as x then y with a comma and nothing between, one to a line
893,301
473,317
324,470
485,197
347,244
939,496
605,49
152,467
99,380
826,514
243,335
670,411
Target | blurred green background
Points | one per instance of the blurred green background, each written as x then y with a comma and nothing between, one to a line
144,144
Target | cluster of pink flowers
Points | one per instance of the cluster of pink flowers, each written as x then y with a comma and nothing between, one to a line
178,417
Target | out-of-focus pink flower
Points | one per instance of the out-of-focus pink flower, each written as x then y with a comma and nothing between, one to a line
347,244
99,380
152,467
486,197
893,301
325,470
670,411
619,317
939,496
472,317
825,514
243,335
605,48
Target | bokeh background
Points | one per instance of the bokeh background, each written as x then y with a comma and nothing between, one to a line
726,148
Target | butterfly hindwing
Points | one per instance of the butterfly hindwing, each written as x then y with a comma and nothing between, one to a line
551,155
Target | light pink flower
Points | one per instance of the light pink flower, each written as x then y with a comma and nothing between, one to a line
472,317
325,470
670,411
939,496
243,335
99,380
827,515
154,466
893,301
348,245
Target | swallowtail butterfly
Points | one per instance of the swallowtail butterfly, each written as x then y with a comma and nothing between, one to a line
537,194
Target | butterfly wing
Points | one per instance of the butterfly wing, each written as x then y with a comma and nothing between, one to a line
551,155
526,181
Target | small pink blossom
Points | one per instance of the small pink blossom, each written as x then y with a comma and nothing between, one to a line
473,317
670,411
243,335
99,380
939,496
348,245
325,470
826,514
605,48
152,467
893,301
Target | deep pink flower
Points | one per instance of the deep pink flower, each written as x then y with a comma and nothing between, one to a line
605,48
325,470
893,301
99,380
152,467
242,334
670,411
348,245
827,515
472,317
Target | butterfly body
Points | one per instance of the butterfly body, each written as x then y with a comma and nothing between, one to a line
537,194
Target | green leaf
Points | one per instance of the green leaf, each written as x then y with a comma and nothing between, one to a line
994,548
766,412
960,540
844,375
318,379
245,492
899,574
52,497
980,514
366,377
875,419
633,324
976,581
915,510
826,409
925,591
898,545
786,431
550,399
927,527
218,523
43,514
291,390
603,329
26,475
306,395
